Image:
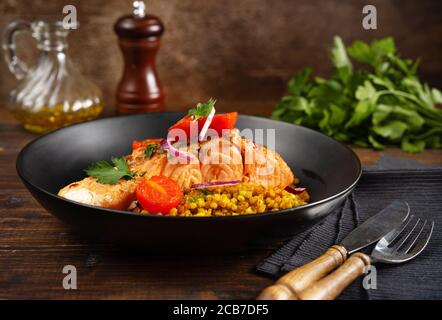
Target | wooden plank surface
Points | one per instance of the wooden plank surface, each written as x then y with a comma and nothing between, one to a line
34,248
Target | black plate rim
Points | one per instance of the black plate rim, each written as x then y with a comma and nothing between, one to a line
151,216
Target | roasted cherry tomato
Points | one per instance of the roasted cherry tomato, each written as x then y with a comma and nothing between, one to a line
183,124
137,144
222,121
219,122
159,194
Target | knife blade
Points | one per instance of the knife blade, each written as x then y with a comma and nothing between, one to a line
376,227
293,283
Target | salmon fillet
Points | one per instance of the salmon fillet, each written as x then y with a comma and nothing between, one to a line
265,166
138,162
120,195
221,158
89,191
185,174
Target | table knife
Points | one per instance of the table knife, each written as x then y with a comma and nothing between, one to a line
369,232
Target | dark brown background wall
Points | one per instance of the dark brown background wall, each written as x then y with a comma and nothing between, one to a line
239,51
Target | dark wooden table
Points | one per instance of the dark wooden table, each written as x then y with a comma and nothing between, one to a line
35,246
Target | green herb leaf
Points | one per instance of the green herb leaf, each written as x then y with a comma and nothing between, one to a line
340,60
338,115
339,55
392,130
376,144
412,146
434,141
362,111
383,47
151,149
436,95
202,109
373,54
360,51
107,173
193,199
367,91
300,82
202,195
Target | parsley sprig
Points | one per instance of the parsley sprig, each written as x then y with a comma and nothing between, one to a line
151,149
382,103
107,173
202,109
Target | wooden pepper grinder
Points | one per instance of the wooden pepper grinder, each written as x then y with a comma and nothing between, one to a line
139,89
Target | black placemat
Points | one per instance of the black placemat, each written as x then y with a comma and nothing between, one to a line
391,179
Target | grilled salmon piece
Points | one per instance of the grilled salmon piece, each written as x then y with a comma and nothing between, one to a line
149,167
89,191
119,195
221,158
265,166
185,173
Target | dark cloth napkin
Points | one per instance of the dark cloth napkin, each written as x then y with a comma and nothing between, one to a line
390,179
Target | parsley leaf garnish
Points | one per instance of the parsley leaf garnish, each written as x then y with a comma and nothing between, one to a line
193,199
107,173
151,149
202,109
202,195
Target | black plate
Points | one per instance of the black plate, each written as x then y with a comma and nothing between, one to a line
329,170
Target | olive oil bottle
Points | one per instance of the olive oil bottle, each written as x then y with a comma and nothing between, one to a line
53,93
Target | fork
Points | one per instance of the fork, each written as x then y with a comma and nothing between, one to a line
400,245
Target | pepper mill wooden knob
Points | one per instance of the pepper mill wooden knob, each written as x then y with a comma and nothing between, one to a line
139,89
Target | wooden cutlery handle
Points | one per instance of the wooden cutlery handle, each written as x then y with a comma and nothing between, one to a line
332,285
289,286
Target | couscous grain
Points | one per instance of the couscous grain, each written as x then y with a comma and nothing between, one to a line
240,199
244,198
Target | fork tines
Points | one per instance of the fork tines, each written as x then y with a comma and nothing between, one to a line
411,237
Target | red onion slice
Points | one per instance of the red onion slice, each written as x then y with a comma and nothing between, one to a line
166,145
294,190
206,124
215,184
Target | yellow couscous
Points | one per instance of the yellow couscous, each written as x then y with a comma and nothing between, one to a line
240,199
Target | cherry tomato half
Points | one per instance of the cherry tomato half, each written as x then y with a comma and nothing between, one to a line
222,121
219,122
159,194
136,144
183,124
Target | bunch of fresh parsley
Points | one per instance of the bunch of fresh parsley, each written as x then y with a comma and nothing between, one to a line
381,103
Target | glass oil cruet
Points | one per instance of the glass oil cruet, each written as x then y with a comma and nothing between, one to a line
53,93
